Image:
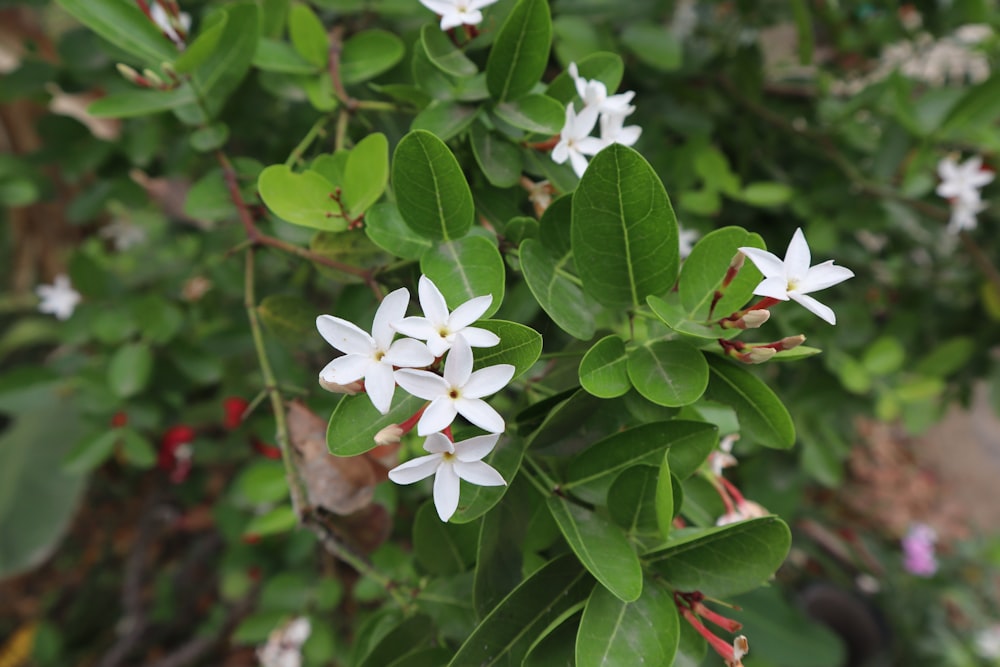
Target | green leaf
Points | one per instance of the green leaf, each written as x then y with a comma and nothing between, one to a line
705,269
90,453
654,44
198,51
642,632
219,75
411,633
300,198
520,50
385,226
466,268
431,191
559,296
331,166
505,635
367,54
443,54
499,558
605,67
534,113
259,484
499,159
884,356
632,501
601,547
123,24
665,510
763,417
355,421
979,107
308,35
478,500
721,562
209,198
366,174
279,520
783,635
209,138
133,103
624,231
129,369
276,56
947,357
764,194
137,449
519,346
445,119
603,369
443,548
288,316
669,373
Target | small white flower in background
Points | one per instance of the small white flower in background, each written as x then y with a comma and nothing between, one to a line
746,509
962,181
439,328
459,392
123,234
988,642
793,278
613,130
575,141
59,298
449,462
454,13
686,238
284,644
163,21
963,215
372,357
595,95
723,458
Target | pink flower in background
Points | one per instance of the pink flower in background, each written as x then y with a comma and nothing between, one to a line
918,550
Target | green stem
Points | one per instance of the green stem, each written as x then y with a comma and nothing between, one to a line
549,485
317,130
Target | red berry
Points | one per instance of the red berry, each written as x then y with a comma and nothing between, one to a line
270,451
119,419
234,407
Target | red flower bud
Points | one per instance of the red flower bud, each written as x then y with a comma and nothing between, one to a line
234,407
175,452
264,449
119,419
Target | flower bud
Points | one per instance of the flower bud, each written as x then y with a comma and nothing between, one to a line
350,389
758,355
233,408
740,647
153,78
755,318
131,75
390,435
790,342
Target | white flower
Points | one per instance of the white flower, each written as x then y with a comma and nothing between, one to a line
449,462
963,214
459,392
372,357
962,181
595,94
59,298
454,13
123,234
723,458
613,130
988,642
284,644
747,509
439,327
575,141
163,21
686,238
793,278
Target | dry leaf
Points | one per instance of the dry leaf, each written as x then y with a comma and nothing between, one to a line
75,106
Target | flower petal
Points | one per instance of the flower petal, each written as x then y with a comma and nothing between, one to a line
479,413
438,416
380,385
433,303
561,152
446,491
344,335
438,345
416,469
438,443
392,309
458,366
420,328
476,448
578,162
451,19
346,369
797,257
815,307
766,262
585,121
488,381
477,337
589,145
776,288
824,275
479,473
469,312
422,384
408,353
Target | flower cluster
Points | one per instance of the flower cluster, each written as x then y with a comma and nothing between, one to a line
59,298
610,111
960,185
378,363
454,13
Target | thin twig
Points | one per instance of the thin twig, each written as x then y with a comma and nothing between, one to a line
333,65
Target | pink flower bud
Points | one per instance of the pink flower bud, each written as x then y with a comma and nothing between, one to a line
390,435
758,355
755,318
350,389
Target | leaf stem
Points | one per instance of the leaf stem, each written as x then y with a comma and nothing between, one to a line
317,130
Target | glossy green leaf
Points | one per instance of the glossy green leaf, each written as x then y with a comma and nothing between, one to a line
763,417
723,561
605,67
499,559
642,632
601,547
520,51
466,268
135,103
129,369
442,548
91,452
632,500
505,635
276,56
624,231
519,346
123,24
670,373
431,191
445,119
443,54
534,113
413,632
368,54
366,174
385,226
555,647
308,35
665,510
300,198
355,421
559,295
499,159
604,368
705,268
478,500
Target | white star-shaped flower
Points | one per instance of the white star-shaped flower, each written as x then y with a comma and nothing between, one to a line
372,357
439,327
613,130
59,298
449,462
575,141
595,94
964,212
163,21
962,181
454,13
793,278
459,392
284,644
